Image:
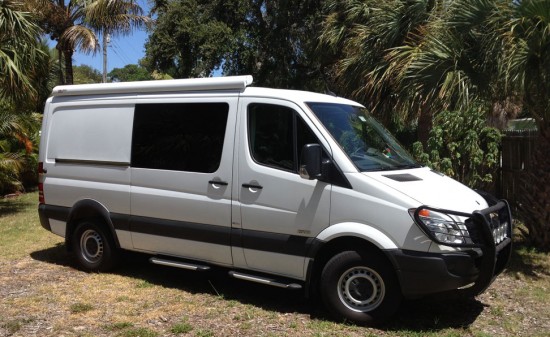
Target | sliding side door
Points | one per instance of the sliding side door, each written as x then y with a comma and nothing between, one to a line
181,178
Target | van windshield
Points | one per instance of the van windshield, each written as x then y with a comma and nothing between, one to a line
367,143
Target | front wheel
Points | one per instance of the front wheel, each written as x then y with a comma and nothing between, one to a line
360,287
94,247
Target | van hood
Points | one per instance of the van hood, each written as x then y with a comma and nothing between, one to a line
431,188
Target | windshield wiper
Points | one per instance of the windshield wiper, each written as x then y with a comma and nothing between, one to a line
406,166
396,167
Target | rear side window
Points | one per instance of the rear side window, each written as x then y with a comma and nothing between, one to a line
179,136
91,132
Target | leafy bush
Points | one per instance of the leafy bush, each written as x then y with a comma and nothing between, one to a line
462,146
19,136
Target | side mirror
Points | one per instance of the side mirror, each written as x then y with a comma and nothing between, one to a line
310,162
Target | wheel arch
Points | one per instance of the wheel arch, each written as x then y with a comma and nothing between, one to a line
347,236
88,208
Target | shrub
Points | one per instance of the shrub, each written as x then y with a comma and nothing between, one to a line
462,146
19,136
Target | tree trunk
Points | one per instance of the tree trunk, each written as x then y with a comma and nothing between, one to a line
68,54
60,60
106,40
425,123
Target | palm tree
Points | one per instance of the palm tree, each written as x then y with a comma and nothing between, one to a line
75,24
18,51
112,17
65,22
364,37
409,59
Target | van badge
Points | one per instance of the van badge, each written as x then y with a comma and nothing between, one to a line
304,231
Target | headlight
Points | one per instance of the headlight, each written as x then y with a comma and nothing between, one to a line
441,227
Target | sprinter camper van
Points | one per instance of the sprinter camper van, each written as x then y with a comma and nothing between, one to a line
286,188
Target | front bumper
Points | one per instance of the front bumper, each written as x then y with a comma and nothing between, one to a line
466,272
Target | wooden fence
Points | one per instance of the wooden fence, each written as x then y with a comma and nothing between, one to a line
517,148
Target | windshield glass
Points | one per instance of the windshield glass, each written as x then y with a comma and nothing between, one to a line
367,143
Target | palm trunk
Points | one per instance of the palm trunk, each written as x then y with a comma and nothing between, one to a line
68,54
105,42
60,60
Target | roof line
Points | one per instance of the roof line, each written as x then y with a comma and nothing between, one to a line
192,84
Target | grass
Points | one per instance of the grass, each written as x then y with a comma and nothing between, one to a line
181,328
119,326
138,332
43,294
79,308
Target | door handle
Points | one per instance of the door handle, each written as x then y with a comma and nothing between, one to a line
216,182
253,186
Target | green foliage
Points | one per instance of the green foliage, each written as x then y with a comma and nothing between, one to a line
43,77
462,146
65,22
272,40
19,135
85,74
358,41
188,40
75,25
525,58
130,73
19,51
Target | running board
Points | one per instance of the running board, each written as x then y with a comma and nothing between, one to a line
264,280
178,264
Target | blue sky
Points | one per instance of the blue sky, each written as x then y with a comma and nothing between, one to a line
123,50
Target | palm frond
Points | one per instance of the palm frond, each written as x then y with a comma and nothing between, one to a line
82,38
115,16
18,53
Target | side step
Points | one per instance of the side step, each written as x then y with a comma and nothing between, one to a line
178,264
264,280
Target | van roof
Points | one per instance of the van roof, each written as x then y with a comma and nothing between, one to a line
192,84
234,83
296,95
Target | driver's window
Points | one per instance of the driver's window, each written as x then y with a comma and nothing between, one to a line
276,135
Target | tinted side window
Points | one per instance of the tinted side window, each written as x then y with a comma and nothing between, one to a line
179,136
277,135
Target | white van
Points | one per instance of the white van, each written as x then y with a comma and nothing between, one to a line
288,188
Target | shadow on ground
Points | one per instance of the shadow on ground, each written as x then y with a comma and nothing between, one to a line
523,261
11,206
419,315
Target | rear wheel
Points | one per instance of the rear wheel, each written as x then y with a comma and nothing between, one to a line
94,247
360,287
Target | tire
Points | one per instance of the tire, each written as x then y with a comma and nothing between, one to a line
360,287
94,247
